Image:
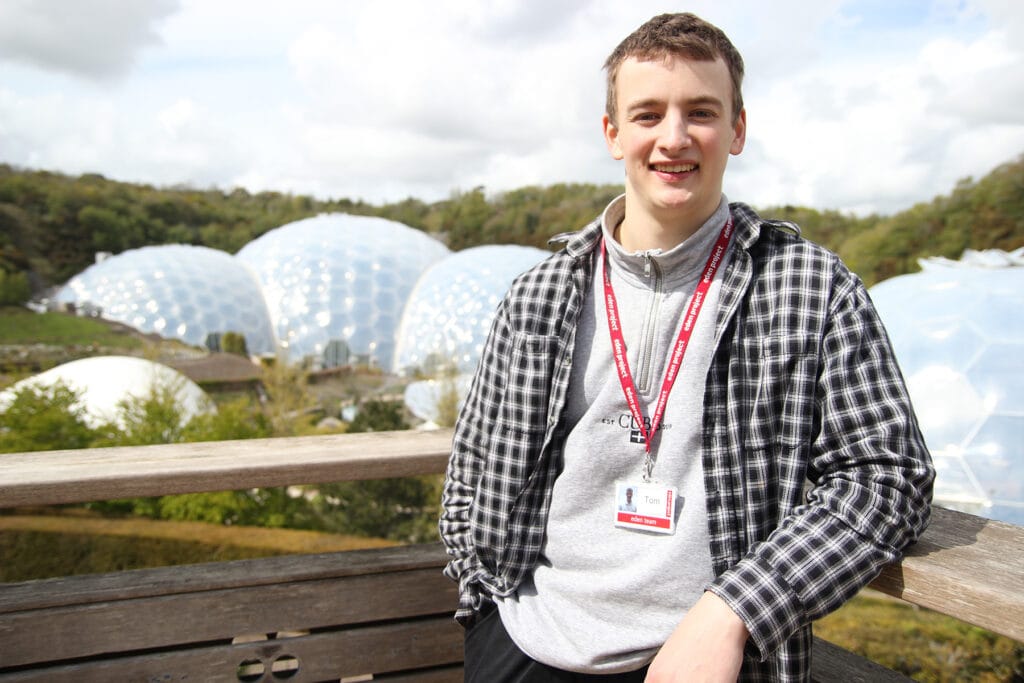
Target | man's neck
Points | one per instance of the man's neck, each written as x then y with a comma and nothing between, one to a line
644,232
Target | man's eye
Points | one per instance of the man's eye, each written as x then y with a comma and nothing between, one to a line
646,117
703,114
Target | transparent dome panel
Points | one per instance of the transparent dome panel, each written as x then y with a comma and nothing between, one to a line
995,455
176,290
958,334
449,313
341,277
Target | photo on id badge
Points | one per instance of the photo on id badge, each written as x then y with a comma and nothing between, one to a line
645,506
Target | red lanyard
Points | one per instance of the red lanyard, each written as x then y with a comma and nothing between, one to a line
693,310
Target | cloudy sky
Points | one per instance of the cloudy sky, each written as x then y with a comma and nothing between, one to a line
860,105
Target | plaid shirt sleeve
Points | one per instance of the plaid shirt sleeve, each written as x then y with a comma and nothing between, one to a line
497,485
845,420
470,449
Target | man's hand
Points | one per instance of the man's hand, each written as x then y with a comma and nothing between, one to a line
706,647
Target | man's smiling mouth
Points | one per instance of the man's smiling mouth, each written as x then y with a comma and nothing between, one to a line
674,168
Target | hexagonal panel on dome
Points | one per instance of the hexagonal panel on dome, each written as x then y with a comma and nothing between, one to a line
948,407
176,291
947,340
990,298
958,480
340,278
959,337
449,314
997,374
995,456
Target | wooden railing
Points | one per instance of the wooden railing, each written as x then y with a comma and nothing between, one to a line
384,613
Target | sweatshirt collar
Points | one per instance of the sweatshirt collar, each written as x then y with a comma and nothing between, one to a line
680,264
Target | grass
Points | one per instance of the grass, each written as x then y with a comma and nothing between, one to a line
19,326
921,644
45,546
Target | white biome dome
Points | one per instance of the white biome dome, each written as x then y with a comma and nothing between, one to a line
958,331
338,281
449,313
177,291
425,398
105,381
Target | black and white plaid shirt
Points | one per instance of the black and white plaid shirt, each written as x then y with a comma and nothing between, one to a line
803,387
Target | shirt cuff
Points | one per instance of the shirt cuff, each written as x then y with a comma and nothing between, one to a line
764,601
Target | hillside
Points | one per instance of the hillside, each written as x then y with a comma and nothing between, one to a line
52,225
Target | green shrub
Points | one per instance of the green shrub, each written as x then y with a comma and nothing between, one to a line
44,419
14,288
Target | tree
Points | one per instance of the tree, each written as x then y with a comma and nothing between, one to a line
237,419
403,509
234,342
378,416
44,419
290,399
14,288
153,418
448,402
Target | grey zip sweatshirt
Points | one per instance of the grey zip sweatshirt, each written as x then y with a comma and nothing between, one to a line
603,599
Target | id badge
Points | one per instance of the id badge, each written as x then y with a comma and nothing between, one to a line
649,507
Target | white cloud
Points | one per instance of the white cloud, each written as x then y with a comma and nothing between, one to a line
877,134
852,104
96,39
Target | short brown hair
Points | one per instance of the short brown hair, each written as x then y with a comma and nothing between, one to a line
677,35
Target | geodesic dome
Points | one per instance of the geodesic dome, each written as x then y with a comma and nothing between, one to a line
449,313
105,381
958,331
177,291
340,278
425,397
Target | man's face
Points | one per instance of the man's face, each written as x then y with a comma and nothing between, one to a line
675,132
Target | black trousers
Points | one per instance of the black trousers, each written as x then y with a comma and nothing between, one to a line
492,657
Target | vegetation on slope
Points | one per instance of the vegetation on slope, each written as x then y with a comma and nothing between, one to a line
51,225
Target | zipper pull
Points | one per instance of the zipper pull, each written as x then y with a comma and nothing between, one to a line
647,264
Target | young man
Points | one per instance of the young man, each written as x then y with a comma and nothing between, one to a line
733,375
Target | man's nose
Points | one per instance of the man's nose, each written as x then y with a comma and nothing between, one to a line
675,134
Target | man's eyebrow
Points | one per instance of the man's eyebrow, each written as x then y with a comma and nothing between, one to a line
645,104
709,100
700,100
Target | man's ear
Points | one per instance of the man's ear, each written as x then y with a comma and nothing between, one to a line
739,133
611,138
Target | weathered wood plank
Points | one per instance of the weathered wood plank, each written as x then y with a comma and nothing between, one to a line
219,615
442,674
321,656
56,477
832,664
82,590
967,567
